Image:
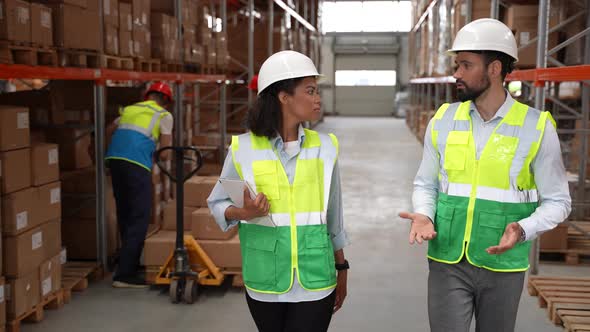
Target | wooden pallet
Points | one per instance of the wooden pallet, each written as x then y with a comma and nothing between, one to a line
208,70
560,293
575,320
171,67
567,256
79,58
76,275
116,62
25,54
146,65
37,313
235,274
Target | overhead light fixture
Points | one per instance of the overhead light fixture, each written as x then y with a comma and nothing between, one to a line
293,13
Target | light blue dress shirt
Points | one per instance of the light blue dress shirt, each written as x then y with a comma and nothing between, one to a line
219,201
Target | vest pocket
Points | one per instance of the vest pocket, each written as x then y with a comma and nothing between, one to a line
317,261
442,226
260,258
488,232
456,150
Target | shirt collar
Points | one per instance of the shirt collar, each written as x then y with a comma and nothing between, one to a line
502,111
278,143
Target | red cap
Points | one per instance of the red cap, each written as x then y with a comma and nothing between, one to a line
160,87
253,83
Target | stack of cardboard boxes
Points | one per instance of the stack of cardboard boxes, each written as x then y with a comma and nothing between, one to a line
25,22
31,212
139,11
222,247
165,43
76,24
111,27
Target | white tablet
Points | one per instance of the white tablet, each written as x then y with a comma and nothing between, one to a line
235,191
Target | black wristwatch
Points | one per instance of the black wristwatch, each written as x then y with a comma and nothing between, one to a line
343,266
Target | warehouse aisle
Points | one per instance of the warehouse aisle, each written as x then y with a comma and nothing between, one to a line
387,282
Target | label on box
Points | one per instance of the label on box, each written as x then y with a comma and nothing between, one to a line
1,293
136,43
107,7
37,240
22,120
524,38
22,15
143,18
63,256
8,292
463,9
129,23
55,196
22,220
46,20
46,284
52,156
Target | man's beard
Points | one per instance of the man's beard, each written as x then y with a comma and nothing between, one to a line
469,93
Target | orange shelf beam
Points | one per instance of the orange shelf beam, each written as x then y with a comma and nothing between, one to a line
87,74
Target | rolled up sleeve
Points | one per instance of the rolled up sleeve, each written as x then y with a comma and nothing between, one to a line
218,201
335,214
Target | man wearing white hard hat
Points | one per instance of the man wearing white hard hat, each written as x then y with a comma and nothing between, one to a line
491,180
293,266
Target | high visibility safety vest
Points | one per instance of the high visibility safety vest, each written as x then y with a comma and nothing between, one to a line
478,198
300,241
137,134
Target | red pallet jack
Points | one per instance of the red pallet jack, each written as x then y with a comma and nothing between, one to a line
189,265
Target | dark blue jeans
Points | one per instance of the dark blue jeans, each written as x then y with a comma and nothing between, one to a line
132,186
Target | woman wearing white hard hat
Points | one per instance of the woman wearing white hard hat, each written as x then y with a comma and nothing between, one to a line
491,180
291,225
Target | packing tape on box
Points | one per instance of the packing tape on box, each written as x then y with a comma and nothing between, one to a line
55,196
22,220
37,240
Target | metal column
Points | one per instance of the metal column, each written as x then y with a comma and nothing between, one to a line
250,50
495,9
196,108
178,116
469,16
178,12
581,192
99,144
223,121
223,8
544,6
271,22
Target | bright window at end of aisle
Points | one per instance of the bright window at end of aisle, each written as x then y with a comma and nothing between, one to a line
366,16
365,77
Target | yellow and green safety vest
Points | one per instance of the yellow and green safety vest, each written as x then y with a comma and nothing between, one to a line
479,197
300,241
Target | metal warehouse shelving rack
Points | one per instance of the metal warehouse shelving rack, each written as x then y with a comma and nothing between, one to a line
542,83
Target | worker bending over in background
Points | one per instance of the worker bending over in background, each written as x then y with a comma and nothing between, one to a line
491,180
129,157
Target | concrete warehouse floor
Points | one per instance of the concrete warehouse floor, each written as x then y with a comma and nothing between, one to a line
387,283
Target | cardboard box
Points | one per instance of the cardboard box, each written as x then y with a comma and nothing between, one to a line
79,237
111,12
2,301
50,276
16,170
169,223
78,116
73,147
204,227
160,24
158,247
126,43
15,23
197,189
75,27
41,25
25,252
44,163
48,200
18,213
125,17
78,3
555,239
142,42
111,40
14,128
225,254
22,294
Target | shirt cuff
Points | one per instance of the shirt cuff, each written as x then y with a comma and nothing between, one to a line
219,215
528,227
340,241
425,211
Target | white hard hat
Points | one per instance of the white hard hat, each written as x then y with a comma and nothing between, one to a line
485,34
284,65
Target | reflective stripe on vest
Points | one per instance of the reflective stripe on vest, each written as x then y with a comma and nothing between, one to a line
135,117
300,239
478,198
